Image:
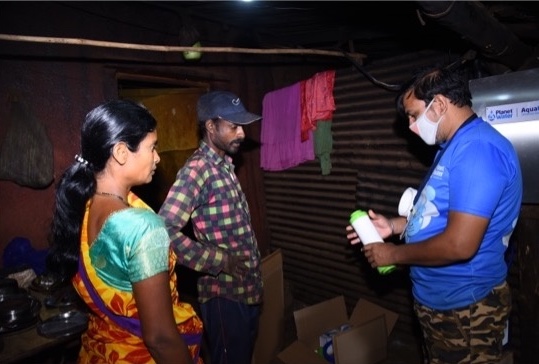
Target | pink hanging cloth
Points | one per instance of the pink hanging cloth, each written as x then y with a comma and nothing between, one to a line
282,147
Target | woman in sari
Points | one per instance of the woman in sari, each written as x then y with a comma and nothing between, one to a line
115,249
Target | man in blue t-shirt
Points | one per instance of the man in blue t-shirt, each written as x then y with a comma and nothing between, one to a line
459,228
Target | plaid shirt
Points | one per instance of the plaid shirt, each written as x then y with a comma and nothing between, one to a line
207,191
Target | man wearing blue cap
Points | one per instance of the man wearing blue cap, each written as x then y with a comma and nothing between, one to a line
225,252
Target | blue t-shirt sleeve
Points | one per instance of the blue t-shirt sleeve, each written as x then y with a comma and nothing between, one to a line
479,176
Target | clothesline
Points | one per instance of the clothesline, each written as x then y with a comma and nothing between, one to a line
162,48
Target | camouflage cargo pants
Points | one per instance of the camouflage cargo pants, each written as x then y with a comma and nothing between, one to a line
470,335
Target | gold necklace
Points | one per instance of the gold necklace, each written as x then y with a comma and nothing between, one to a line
113,195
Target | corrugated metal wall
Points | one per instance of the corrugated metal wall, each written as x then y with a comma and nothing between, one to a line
373,162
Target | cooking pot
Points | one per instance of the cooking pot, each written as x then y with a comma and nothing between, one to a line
45,283
18,311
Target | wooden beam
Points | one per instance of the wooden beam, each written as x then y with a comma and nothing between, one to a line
162,48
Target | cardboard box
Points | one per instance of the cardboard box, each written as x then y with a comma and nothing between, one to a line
365,342
271,325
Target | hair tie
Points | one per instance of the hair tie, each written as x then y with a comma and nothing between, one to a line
81,160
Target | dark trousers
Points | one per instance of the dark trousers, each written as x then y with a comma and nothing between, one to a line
231,328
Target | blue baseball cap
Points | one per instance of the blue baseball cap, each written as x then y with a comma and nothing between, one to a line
224,105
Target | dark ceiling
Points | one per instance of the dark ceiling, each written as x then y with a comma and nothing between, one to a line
377,29
500,36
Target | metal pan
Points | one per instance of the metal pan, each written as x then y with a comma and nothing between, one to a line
64,324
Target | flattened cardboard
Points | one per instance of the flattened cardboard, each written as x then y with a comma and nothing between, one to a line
271,324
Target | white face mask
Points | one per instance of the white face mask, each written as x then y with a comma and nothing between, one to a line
426,128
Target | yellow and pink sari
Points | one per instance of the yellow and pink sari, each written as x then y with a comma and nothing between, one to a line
108,339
